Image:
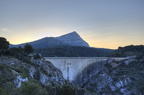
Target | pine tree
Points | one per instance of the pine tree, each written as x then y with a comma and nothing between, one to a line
28,49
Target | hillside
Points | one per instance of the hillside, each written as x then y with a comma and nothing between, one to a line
116,78
73,51
68,45
131,50
34,76
70,39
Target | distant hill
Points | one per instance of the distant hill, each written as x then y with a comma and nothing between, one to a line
73,51
68,45
131,50
71,39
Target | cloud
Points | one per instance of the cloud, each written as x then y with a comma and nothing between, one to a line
5,30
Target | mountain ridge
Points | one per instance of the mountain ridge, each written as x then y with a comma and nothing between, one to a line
70,39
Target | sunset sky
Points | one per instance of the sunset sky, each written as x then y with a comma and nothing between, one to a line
102,23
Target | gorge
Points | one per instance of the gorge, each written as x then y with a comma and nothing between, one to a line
27,73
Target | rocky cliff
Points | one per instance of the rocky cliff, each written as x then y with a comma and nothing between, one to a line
116,78
88,72
34,76
73,39
14,72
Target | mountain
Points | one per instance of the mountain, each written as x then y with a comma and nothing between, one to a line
73,39
70,39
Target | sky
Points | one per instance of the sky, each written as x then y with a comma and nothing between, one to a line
101,23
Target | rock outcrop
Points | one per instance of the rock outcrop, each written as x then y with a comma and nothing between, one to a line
41,70
34,77
124,78
73,39
88,72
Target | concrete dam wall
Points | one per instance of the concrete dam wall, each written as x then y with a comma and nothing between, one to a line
72,66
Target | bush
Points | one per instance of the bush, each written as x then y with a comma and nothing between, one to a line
68,90
28,48
37,56
2,91
4,45
31,88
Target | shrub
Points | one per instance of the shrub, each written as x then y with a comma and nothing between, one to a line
28,48
37,56
4,45
68,90
31,88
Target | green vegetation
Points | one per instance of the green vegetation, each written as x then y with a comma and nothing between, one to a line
67,89
4,45
28,49
18,52
131,50
37,56
32,88
73,51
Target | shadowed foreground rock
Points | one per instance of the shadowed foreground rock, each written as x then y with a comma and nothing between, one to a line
34,77
124,79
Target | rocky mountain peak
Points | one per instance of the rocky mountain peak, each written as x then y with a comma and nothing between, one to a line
73,39
74,33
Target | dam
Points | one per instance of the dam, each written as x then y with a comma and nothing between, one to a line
72,66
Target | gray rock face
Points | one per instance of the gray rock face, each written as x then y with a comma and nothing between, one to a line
88,72
125,79
51,74
44,72
73,39
38,77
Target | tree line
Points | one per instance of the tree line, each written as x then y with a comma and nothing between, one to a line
73,51
14,51
131,50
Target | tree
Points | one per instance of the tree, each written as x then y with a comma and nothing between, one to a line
32,88
17,52
4,45
28,48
